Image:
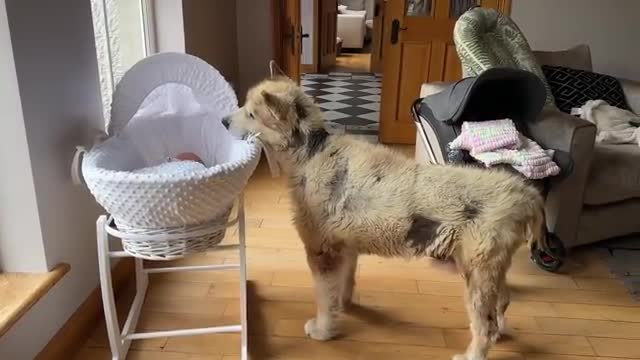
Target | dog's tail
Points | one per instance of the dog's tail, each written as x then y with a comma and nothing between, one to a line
536,228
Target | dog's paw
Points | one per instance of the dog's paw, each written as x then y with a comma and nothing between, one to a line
501,327
495,337
501,324
467,357
312,330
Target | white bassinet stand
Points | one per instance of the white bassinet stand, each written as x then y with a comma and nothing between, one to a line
165,105
119,342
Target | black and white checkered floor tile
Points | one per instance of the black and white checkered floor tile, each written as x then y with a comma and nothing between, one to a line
350,102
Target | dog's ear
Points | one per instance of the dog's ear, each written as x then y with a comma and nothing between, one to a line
275,71
279,106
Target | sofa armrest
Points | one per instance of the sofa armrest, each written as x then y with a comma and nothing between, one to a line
631,90
433,88
576,137
351,29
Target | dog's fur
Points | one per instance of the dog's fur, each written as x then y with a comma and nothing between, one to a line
351,197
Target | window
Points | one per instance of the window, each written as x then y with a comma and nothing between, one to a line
123,34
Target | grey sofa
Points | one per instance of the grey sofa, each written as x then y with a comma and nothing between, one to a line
600,199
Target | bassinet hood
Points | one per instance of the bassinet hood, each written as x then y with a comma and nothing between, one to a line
206,83
497,93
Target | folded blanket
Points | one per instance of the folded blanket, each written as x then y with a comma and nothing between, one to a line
613,125
478,137
530,159
498,142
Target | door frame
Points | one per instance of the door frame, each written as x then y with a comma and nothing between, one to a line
315,42
277,17
278,13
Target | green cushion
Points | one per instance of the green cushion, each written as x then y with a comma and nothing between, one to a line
485,39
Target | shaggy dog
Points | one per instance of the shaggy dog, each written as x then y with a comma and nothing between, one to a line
351,197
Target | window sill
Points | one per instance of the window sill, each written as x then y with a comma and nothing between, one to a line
20,291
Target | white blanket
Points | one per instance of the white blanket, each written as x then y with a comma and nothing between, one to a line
612,123
173,120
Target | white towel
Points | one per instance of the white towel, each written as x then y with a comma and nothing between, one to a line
612,123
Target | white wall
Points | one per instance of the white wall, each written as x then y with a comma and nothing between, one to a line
609,27
169,25
21,246
55,60
306,16
255,42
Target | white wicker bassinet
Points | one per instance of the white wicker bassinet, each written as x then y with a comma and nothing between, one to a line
168,215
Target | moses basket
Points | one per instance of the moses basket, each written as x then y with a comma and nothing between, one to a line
167,104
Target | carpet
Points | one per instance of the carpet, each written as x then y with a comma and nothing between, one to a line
622,256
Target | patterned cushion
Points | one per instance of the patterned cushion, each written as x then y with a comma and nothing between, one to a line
485,39
573,88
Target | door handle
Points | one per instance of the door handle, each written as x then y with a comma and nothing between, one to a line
305,36
395,30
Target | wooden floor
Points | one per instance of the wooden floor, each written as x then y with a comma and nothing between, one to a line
407,310
352,62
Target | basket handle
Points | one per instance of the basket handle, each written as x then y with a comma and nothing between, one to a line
76,165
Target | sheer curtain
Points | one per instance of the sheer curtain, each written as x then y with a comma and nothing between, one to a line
121,39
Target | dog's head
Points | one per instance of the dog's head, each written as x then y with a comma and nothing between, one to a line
279,111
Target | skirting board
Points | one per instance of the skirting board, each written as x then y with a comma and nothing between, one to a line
69,339
308,68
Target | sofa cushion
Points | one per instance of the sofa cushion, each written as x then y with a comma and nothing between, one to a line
354,12
573,88
614,174
353,4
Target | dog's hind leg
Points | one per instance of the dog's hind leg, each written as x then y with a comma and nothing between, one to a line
503,303
482,302
329,269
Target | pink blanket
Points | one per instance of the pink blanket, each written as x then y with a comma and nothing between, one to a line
499,142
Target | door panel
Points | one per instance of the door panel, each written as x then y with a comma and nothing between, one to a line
328,31
414,71
424,52
452,67
293,34
287,36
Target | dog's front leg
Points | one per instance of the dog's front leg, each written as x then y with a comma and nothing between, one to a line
328,269
348,274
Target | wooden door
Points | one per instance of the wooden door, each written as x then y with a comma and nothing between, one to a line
327,32
376,37
423,51
287,36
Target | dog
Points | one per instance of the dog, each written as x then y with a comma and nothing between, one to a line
351,197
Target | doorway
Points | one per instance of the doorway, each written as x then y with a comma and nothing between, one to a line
336,66
410,43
